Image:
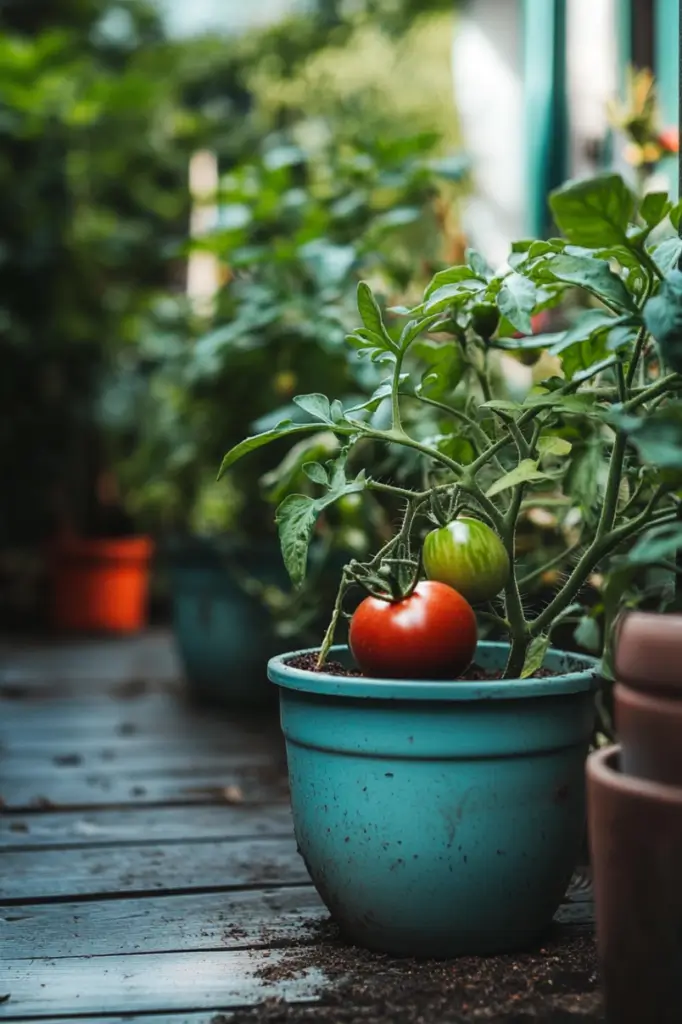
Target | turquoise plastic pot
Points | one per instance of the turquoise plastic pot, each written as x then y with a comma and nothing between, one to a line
224,636
439,818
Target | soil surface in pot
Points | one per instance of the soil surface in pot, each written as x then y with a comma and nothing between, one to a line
474,674
556,984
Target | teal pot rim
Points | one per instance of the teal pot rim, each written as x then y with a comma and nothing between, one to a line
604,769
580,678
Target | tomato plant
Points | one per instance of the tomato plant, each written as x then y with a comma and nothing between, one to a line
595,447
469,556
429,634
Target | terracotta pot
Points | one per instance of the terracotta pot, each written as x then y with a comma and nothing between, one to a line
100,585
636,840
648,696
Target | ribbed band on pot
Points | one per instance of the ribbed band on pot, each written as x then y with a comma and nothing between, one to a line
649,651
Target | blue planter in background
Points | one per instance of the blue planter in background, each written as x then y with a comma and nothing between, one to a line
224,635
439,818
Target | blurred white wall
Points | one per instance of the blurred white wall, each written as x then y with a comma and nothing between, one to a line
195,17
487,73
592,75
487,58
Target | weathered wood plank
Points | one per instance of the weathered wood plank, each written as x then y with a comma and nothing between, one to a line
199,1017
94,750
103,790
170,981
236,920
142,824
150,656
156,715
78,768
114,871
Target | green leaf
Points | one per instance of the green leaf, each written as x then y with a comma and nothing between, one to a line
667,255
250,444
621,336
663,318
533,341
446,367
502,405
588,634
381,394
590,322
279,481
452,295
592,371
371,313
316,406
535,656
453,275
655,207
414,328
479,265
584,355
517,300
316,472
657,436
594,276
296,518
582,481
554,446
661,542
594,212
525,472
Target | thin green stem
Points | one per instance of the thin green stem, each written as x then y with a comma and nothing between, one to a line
537,574
598,549
636,355
400,437
670,382
608,511
396,421
648,261
457,414
398,492
328,639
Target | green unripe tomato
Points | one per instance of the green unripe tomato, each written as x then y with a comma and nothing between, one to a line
468,556
485,318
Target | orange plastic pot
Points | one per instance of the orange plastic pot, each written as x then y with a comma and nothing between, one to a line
100,585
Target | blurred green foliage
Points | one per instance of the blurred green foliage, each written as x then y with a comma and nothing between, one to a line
104,362
297,225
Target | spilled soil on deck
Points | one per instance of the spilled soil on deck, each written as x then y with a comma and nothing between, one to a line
556,984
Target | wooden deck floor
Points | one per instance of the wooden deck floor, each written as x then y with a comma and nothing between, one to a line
147,862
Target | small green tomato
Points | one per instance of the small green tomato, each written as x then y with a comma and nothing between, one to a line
468,556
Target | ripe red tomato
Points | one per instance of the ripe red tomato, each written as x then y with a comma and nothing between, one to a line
469,556
429,635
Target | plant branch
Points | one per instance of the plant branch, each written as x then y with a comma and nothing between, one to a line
636,355
457,414
598,549
668,383
396,421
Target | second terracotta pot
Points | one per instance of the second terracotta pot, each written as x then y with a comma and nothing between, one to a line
636,840
648,696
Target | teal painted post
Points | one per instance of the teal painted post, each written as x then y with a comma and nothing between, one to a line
546,111
667,31
625,47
